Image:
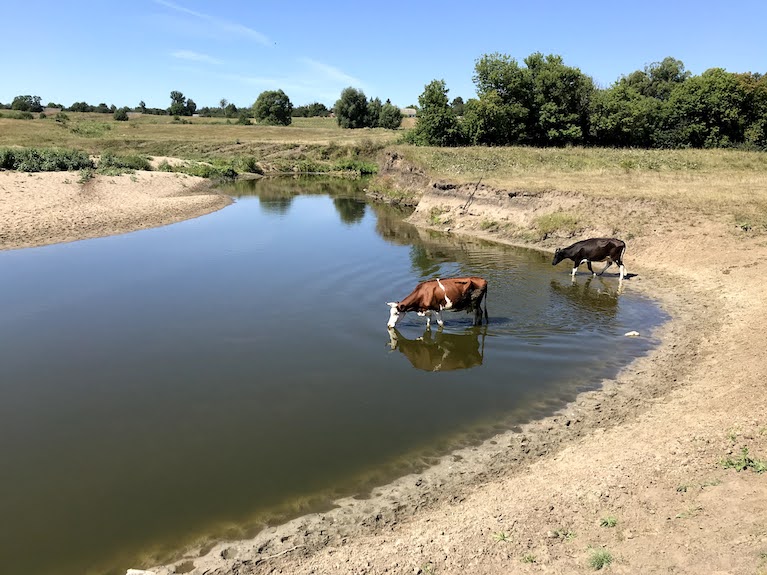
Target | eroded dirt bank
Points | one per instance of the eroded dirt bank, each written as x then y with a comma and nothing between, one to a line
633,470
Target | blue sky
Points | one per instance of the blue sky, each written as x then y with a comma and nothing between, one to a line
122,53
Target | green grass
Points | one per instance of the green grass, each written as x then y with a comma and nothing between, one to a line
609,521
559,222
745,462
599,559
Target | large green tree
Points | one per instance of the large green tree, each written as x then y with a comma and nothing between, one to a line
708,111
437,124
351,109
500,114
27,104
273,107
622,116
560,101
390,116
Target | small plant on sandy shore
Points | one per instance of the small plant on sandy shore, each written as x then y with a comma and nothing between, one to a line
426,569
501,536
609,521
488,225
691,511
529,558
600,558
564,534
86,174
682,488
744,462
435,215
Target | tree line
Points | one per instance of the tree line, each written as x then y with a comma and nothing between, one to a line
539,102
272,107
547,103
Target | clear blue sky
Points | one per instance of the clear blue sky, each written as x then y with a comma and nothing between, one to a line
123,52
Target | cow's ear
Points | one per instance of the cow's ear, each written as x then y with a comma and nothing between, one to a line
556,251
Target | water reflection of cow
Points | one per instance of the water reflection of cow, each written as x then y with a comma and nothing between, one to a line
593,294
441,351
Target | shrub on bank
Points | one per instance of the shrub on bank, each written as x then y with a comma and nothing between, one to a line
43,159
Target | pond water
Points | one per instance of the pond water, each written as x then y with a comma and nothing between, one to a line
200,379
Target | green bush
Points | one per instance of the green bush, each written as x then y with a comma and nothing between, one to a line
120,164
121,115
43,159
357,166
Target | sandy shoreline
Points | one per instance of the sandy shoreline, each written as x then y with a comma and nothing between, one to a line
37,209
645,450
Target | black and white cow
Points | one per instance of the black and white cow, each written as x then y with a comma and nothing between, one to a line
593,250
438,295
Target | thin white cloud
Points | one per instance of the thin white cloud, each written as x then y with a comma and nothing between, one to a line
222,25
194,57
332,73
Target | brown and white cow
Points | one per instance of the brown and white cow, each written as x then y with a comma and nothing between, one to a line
593,250
437,295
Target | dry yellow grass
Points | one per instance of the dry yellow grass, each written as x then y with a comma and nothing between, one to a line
197,137
707,180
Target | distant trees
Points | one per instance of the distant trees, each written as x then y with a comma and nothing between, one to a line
81,107
311,111
27,104
273,107
180,105
353,110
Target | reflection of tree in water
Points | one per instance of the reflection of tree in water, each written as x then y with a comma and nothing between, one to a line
594,294
441,351
391,224
351,210
275,194
423,261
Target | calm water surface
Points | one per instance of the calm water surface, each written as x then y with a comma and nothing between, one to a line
201,378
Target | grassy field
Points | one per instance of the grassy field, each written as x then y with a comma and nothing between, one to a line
708,180
192,138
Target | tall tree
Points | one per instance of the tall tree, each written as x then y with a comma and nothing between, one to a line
437,124
390,117
501,114
27,104
560,101
351,109
273,107
708,111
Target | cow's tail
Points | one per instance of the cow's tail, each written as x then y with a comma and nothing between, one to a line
486,320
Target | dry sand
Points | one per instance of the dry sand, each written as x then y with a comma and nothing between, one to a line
633,470
45,208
